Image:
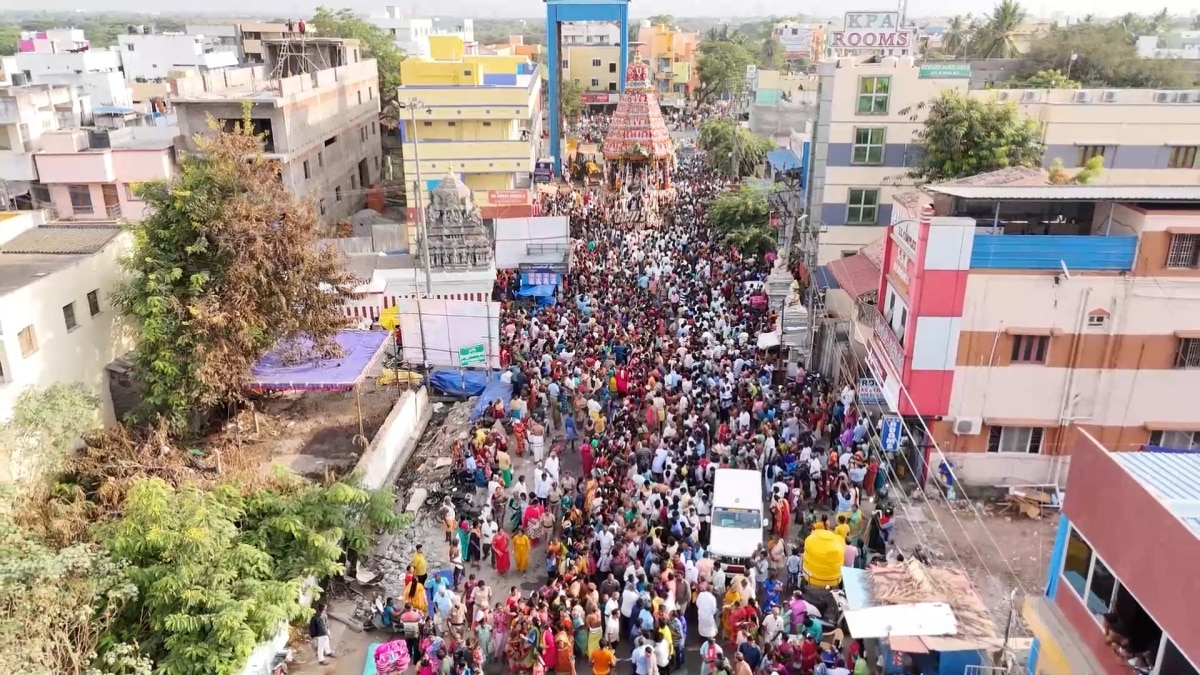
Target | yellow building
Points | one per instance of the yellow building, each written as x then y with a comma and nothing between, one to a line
672,55
478,116
596,69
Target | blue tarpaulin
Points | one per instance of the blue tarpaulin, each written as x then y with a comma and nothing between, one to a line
783,159
542,291
496,389
454,382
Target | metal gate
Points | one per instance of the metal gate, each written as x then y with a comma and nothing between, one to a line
985,670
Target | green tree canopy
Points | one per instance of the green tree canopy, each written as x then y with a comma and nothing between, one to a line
964,136
378,44
1045,79
996,36
570,97
742,217
732,148
45,425
225,266
721,69
1100,55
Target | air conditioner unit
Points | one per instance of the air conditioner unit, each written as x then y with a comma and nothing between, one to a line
1183,97
1083,97
1002,96
1162,97
1110,96
1029,96
967,426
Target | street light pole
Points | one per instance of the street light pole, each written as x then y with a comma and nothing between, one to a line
422,222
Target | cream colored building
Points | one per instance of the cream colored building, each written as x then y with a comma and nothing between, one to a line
870,113
594,68
56,320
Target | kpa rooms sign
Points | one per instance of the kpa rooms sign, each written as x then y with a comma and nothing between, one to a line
872,30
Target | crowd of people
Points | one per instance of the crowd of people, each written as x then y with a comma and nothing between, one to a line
646,373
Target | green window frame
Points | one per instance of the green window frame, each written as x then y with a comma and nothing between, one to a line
873,95
862,207
868,146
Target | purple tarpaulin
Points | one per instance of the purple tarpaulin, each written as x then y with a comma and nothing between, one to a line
359,349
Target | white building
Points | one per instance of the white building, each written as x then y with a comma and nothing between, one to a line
26,113
56,320
97,72
597,33
152,57
411,34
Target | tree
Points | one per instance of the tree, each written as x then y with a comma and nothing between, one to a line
205,598
965,136
731,148
570,97
742,217
996,39
958,36
45,425
721,69
1100,55
377,43
1046,79
664,19
770,53
1091,169
10,36
55,606
225,267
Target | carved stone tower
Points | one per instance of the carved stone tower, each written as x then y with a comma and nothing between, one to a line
457,238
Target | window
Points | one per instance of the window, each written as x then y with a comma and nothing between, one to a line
595,63
321,204
370,93
612,86
28,341
81,196
612,67
1096,320
360,96
307,172
1182,157
1077,562
873,95
1030,348
742,519
1184,251
426,123
1101,588
1187,353
93,298
595,82
129,47
863,207
1173,662
1087,152
374,128
566,64
330,141
362,133
320,158
1015,439
337,193
451,124
69,316
131,192
487,124
1178,440
353,182
868,146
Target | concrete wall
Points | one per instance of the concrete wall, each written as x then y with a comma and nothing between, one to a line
988,469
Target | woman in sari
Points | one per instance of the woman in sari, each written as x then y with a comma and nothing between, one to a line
464,539
565,661
585,454
474,547
520,543
579,627
732,598
414,593
500,559
532,522
501,620
781,513
515,510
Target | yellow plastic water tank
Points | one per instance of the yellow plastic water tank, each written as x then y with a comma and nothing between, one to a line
824,555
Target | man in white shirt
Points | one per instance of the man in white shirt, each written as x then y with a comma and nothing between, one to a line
706,614
487,532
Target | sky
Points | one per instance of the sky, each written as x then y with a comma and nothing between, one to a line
638,8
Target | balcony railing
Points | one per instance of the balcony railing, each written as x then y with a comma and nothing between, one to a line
112,210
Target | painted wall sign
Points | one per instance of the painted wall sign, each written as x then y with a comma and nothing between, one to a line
932,71
872,30
905,234
508,197
901,270
887,342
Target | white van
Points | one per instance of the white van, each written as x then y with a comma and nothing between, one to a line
737,517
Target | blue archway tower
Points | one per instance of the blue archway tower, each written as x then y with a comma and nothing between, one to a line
557,12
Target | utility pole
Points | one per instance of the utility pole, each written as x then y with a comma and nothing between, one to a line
422,223
796,229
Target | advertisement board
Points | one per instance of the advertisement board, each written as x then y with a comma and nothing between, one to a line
543,171
944,71
507,197
797,41
872,31
869,392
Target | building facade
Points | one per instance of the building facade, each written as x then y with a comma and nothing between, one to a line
595,69
595,33
64,57
672,56
477,116
244,39
322,124
56,320
1119,507
1011,318
410,33
26,114
870,113
93,174
152,57
784,103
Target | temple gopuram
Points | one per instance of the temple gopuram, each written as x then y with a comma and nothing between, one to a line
638,151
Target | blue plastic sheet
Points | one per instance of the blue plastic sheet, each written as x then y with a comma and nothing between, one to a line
541,291
454,382
496,389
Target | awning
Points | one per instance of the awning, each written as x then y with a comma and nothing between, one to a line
782,159
856,274
824,279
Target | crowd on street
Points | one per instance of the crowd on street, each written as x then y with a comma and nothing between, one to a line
646,373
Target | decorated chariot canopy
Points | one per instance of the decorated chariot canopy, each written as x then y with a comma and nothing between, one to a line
637,131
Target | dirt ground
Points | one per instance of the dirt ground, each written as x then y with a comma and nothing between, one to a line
1000,552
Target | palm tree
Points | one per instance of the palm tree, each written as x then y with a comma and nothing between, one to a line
1160,22
1089,18
1001,30
958,34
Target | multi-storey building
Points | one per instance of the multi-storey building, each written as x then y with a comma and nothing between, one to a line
595,33
595,68
801,40
1010,317
870,112
65,57
245,39
784,103
411,33
26,114
672,56
93,174
1122,511
476,116
147,57
56,322
321,124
